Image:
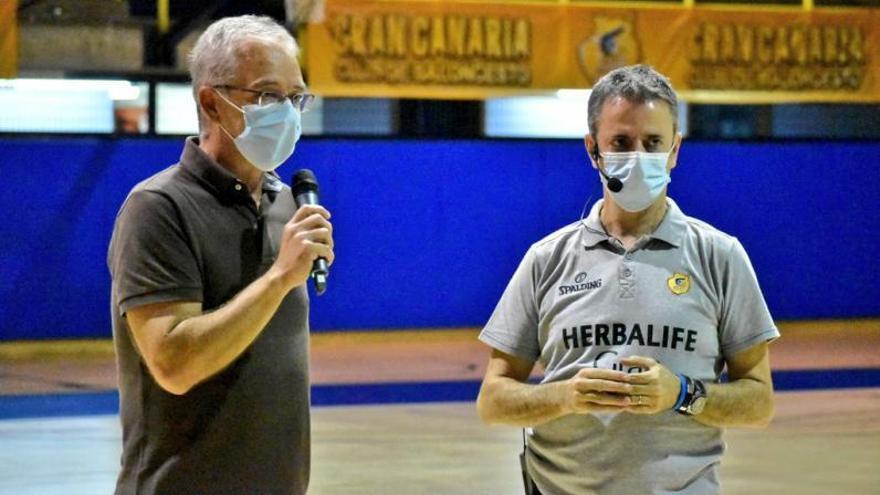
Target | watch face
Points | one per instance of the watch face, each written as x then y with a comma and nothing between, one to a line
697,405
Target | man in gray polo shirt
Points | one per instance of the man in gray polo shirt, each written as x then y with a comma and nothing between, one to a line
209,259
633,313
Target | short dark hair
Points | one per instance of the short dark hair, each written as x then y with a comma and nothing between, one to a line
635,83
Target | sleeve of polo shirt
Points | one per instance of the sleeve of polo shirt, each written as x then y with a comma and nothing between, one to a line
513,326
150,258
745,319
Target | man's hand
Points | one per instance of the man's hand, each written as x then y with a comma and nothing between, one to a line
594,390
654,390
306,237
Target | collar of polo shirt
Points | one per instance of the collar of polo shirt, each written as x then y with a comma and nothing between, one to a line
671,229
221,181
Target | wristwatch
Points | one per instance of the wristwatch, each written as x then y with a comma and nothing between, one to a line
694,399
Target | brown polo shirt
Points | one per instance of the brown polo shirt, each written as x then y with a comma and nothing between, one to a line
193,233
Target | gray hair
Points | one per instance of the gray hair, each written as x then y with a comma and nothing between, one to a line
214,59
635,83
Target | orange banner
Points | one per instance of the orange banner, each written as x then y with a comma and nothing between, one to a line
469,50
8,38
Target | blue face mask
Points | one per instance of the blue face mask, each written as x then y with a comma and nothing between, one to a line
270,133
644,177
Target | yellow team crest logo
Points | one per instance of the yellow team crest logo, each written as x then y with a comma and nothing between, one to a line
679,283
612,44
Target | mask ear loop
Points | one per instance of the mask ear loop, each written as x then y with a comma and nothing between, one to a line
227,100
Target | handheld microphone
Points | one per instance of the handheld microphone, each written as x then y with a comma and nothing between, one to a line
305,192
614,184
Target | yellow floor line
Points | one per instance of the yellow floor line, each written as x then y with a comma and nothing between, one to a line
90,348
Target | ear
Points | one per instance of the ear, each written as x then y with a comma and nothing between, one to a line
208,103
591,146
673,153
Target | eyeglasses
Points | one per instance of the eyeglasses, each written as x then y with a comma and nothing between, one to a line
300,101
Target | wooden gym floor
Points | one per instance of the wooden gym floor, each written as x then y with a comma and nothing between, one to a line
825,438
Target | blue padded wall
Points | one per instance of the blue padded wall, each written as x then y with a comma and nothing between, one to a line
428,232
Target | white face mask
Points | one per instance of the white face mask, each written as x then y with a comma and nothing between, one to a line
644,177
270,133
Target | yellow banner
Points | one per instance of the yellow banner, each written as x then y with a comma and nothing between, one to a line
8,38
468,50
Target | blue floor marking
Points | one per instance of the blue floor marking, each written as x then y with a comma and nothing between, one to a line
89,403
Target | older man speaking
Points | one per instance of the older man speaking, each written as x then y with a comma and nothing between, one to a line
209,259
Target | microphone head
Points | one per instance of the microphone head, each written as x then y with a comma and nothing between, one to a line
614,184
304,181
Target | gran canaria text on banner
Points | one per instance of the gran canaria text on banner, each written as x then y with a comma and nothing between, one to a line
473,50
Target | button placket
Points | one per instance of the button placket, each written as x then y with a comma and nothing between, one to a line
626,277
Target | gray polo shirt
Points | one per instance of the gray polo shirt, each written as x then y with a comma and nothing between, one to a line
193,233
686,295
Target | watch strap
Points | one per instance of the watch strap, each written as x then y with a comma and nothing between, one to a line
694,390
682,392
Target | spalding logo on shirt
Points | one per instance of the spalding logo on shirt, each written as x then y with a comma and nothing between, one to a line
580,284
